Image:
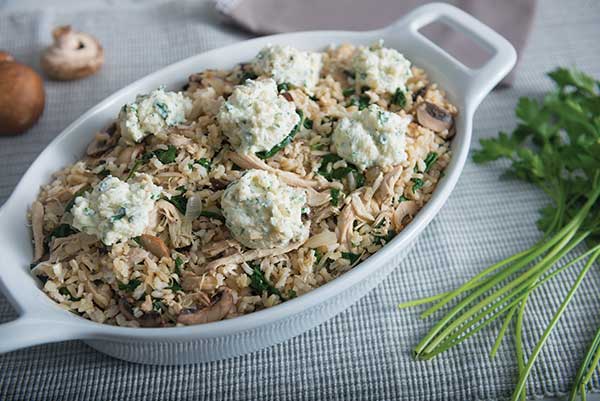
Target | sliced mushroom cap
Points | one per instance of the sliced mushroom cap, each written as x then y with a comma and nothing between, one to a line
150,319
103,141
126,309
154,245
434,117
73,55
220,305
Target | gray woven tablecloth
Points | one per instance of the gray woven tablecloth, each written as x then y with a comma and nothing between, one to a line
364,353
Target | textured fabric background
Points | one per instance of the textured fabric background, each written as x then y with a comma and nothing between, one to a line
364,353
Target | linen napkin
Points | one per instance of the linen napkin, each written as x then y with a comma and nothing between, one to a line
511,18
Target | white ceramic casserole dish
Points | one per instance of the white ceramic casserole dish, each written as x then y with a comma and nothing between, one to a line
42,321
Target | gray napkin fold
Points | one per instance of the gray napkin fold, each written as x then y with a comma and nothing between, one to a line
511,18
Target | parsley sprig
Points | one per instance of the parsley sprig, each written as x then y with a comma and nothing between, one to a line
556,147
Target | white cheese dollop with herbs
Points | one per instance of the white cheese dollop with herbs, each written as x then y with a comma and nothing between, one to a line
286,64
255,118
261,211
372,137
116,210
152,114
380,68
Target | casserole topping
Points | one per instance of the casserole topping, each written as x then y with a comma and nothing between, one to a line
115,210
261,211
255,118
287,65
371,137
251,187
381,69
152,114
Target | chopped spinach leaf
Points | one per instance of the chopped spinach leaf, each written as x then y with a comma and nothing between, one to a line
204,163
399,98
259,283
104,173
60,231
341,172
308,123
352,257
212,215
130,286
157,304
363,102
402,198
178,265
283,87
79,193
335,196
292,294
286,141
430,160
417,184
138,240
166,156
348,92
383,239
179,201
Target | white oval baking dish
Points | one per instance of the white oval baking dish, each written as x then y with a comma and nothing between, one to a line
42,321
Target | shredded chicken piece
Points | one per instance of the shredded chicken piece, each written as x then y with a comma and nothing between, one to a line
324,238
386,190
316,198
66,247
179,140
215,248
37,221
180,229
247,161
345,225
129,153
407,208
360,210
255,254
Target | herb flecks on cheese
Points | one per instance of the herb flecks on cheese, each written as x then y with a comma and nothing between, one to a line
372,137
153,114
255,118
116,210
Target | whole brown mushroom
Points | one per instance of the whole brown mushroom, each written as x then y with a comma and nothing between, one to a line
22,96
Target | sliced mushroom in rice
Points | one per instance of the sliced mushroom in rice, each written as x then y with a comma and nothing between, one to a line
103,141
220,305
155,246
434,117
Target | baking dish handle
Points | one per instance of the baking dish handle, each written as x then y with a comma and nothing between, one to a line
474,84
27,330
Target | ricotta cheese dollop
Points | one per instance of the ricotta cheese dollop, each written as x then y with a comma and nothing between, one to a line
286,64
261,211
255,118
380,68
152,114
371,137
116,210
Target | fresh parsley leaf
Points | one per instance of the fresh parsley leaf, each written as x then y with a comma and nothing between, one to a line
402,198
166,156
162,110
121,212
204,163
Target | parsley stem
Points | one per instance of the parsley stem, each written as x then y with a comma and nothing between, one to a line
501,333
534,354
519,341
580,382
